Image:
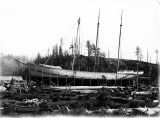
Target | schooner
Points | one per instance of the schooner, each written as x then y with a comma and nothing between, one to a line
64,77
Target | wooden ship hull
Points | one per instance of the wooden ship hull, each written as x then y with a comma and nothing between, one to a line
63,77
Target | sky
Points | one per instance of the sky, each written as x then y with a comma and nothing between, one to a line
31,26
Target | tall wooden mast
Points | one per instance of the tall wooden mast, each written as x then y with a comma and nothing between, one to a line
76,45
119,45
97,42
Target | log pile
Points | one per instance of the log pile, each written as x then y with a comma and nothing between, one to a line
105,101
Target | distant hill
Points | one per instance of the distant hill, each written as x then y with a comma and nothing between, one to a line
85,63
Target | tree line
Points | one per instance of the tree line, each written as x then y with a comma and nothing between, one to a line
58,57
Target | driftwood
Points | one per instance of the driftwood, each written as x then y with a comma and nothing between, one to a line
131,102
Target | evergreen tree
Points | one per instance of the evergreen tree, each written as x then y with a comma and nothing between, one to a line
139,53
53,52
156,56
60,47
88,45
38,58
56,50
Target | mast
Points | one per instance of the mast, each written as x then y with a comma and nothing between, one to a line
147,56
75,45
97,42
119,45
71,47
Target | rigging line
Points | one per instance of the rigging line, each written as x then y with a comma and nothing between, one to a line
64,37
67,34
47,60
82,40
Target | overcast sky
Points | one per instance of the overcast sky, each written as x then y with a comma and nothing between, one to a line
31,26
